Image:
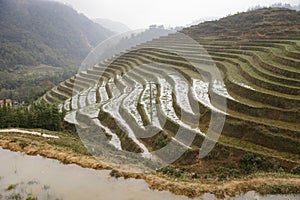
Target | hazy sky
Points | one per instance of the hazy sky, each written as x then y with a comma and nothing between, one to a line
142,13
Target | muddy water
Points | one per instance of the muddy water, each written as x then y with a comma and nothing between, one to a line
49,179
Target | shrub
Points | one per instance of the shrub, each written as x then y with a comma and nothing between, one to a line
11,187
296,170
115,173
31,198
225,173
171,172
15,196
251,163
161,141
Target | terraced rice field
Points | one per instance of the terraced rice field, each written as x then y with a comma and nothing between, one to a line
148,98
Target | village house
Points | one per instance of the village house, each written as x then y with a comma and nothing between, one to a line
7,102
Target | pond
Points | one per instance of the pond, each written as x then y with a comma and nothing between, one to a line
23,176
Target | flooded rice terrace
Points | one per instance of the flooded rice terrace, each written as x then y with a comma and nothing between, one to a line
23,176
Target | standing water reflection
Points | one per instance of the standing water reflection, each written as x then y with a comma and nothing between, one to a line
35,176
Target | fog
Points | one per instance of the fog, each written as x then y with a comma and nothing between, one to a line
142,13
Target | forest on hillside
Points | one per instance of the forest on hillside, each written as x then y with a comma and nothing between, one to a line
42,33
38,115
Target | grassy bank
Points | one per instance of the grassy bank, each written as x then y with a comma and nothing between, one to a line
179,179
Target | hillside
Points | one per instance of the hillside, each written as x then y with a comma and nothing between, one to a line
40,32
266,22
114,26
148,89
37,33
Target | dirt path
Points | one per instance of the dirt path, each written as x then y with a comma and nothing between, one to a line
28,132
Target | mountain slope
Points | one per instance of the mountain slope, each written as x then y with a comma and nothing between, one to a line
266,22
41,43
114,26
42,32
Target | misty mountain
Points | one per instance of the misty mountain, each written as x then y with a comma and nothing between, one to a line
37,32
114,26
41,44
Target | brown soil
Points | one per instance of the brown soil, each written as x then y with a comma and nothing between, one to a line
48,151
265,184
